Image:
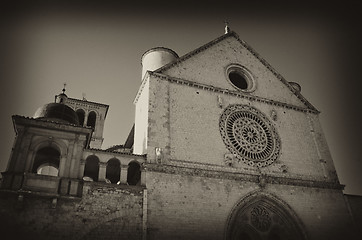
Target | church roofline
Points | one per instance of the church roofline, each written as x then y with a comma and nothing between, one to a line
229,92
248,47
22,120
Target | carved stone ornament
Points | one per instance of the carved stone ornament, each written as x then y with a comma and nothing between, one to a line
159,154
262,181
260,218
273,115
229,159
249,135
219,101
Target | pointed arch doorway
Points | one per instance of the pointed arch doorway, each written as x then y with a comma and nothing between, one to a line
261,216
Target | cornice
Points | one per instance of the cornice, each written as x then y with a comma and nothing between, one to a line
252,51
46,123
230,92
262,179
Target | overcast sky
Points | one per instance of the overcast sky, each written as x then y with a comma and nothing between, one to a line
96,49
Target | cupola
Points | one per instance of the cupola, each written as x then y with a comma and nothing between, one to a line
58,111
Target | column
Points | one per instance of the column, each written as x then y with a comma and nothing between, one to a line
102,172
124,171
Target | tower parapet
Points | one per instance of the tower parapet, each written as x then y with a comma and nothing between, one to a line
156,58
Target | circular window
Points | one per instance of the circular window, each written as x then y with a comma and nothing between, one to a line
249,135
240,78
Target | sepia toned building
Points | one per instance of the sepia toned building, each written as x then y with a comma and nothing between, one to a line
223,147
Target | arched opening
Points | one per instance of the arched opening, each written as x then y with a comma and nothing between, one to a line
91,168
46,162
81,114
48,169
113,170
261,217
238,80
134,173
91,122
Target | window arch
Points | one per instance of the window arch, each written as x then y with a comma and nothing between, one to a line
264,216
46,161
134,173
113,170
81,115
91,168
92,119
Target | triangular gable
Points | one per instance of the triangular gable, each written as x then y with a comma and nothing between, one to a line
205,65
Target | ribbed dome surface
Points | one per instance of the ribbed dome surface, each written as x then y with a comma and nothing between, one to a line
57,112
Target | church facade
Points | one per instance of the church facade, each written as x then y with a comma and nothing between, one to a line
223,147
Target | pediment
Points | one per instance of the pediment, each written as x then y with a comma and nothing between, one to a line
212,63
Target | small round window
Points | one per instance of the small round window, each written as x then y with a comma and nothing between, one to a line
240,78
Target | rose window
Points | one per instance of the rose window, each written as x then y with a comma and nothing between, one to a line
249,135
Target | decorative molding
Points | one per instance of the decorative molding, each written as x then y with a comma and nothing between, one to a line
181,168
228,92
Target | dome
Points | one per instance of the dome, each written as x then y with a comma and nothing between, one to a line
57,112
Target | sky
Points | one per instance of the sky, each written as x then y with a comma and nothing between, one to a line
96,48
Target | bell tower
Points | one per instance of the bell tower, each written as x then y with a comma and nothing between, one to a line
90,114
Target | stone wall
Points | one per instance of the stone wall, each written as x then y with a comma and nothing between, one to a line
184,122
190,206
105,211
208,66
